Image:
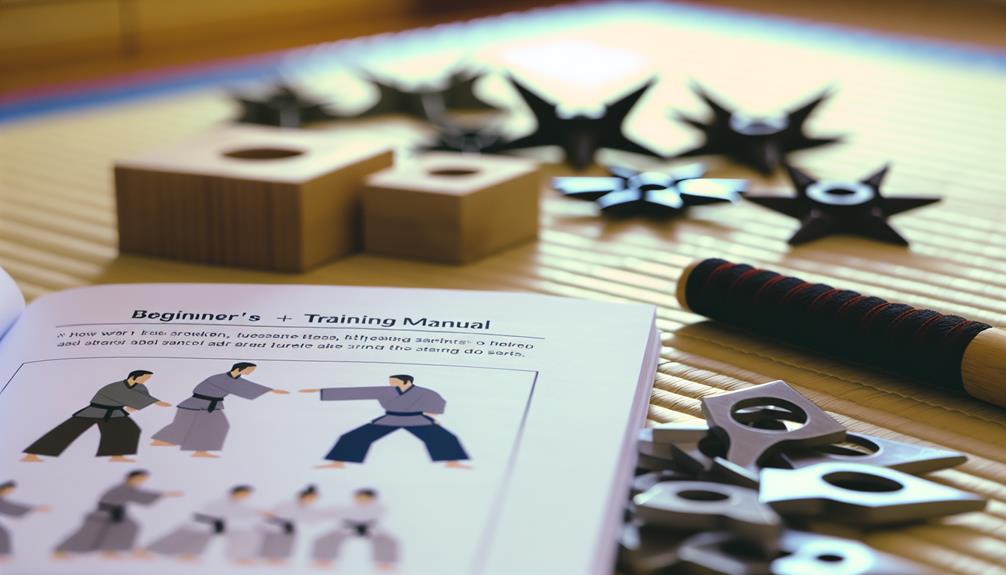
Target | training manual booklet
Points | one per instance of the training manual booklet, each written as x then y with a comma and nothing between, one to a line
307,429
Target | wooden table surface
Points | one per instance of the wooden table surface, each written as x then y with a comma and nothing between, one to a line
934,111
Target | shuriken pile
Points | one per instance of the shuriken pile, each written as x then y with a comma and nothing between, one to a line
427,102
629,192
834,207
759,142
282,106
579,135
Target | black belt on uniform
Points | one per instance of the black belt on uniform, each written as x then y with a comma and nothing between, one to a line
214,401
109,410
403,413
116,513
361,529
218,524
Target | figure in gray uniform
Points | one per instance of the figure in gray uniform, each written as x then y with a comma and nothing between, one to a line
359,520
230,519
406,406
10,508
109,529
109,410
283,525
200,424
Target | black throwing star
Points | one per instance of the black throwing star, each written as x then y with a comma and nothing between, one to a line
834,207
759,142
457,137
426,102
579,134
629,192
283,106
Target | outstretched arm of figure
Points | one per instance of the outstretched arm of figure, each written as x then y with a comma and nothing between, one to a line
351,393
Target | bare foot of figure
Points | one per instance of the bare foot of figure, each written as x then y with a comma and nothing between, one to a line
457,465
188,558
386,567
143,554
120,459
331,465
323,564
244,562
205,454
159,443
60,555
110,555
32,458
277,562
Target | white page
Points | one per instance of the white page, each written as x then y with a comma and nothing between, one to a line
546,419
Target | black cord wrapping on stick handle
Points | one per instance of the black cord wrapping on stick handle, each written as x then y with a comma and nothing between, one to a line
919,343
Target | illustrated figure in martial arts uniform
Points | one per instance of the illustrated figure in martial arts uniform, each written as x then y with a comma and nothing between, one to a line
200,424
109,528
361,519
228,518
10,508
407,406
283,524
109,410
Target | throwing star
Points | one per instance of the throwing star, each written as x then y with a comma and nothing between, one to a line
759,142
579,134
427,102
630,192
282,106
455,137
835,207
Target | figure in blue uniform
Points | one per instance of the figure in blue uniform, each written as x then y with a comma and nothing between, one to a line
406,406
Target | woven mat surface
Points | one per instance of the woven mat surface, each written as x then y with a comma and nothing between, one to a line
937,117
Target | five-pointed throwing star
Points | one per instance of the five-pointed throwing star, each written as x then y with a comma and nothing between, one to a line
759,142
283,106
426,102
629,192
467,139
580,134
835,207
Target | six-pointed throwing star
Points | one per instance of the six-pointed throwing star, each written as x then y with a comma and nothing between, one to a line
630,192
759,142
579,134
427,102
835,207
283,106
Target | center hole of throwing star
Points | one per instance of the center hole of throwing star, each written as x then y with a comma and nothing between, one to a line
841,193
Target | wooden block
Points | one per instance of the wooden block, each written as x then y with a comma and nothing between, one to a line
451,207
256,197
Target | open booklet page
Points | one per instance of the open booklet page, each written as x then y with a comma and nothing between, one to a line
11,302
150,428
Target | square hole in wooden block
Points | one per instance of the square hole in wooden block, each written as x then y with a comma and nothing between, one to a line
451,207
247,196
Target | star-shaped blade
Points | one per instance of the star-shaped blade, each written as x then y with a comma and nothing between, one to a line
428,102
761,143
580,135
825,208
630,192
281,105
455,137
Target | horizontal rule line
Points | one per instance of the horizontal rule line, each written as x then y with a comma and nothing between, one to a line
165,324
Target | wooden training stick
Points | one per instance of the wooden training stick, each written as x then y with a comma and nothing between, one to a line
946,351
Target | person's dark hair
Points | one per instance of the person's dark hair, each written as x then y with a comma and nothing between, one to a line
7,485
241,489
371,493
138,373
137,473
241,365
309,490
403,377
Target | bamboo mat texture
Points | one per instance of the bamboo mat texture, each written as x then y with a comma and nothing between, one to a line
934,112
